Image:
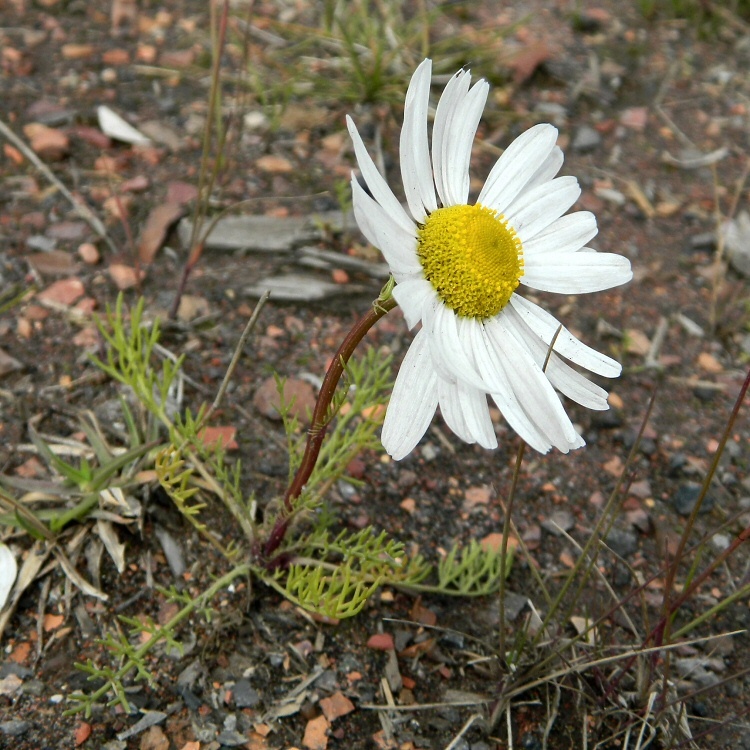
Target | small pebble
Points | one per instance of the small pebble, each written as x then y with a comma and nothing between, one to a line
33,687
88,253
700,709
232,738
622,543
732,689
14,728
608,419
559,521
531,742
676,462
586,139
720,542
245,695
429,452
686,497
41,243
704,394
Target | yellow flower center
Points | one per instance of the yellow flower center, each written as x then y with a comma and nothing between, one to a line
472,258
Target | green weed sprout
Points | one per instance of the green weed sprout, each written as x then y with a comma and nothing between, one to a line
292,550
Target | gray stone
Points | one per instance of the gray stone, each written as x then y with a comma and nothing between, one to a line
694,670
622,543
190,675
15,727
296,287
721,646
315,257
268,233
686,497
705,679
558,522
19,670
552,111
586,139
245,695
327,681
231,738
205,732
514,605
39,242
33,687
720,542
150,719
429,452
252,233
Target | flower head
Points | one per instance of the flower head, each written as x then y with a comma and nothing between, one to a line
458,267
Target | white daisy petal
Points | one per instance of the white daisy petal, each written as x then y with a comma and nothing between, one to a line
576,273
575,386
517,166
563,377
465,411
549,169
545,326
411,296
566,235
375,181
493,370
477,416
534,211
460,138
413,401
416,169
530,385
454,92
398,246
450,407
449,356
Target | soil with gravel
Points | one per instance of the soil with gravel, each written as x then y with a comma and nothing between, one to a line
654,117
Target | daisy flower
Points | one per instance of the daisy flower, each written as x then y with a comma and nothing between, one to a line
458,266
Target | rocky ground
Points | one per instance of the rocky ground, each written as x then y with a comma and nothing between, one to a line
653,116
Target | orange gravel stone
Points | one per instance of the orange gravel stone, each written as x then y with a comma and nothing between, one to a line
380,641
335,706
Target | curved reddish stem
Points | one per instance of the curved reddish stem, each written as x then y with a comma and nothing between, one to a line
321,420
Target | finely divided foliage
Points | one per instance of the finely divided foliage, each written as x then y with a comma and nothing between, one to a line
455,275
